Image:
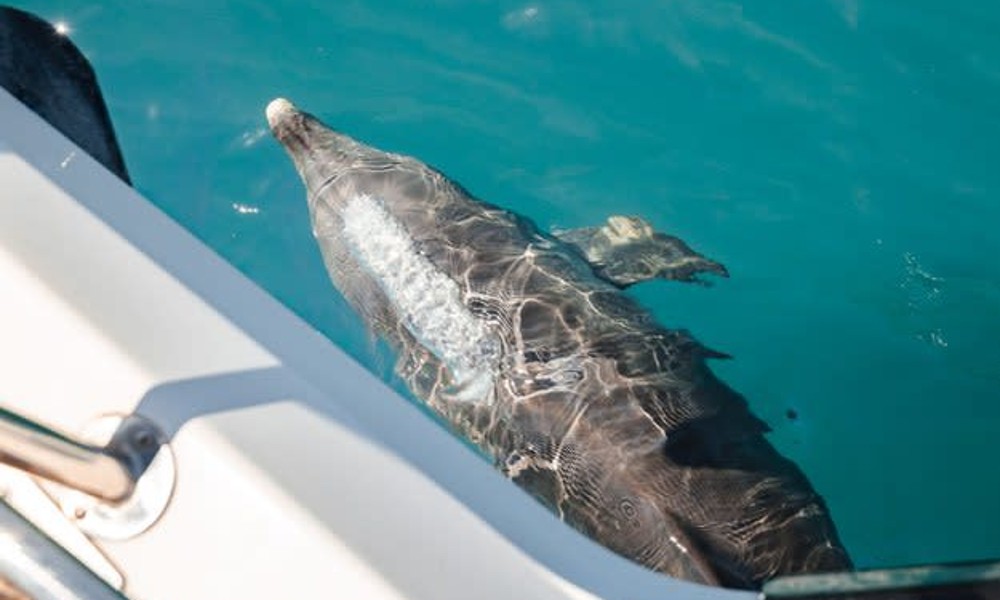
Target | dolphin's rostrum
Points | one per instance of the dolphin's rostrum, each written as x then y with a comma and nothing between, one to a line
524,343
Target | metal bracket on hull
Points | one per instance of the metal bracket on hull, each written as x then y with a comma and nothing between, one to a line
142,447
113,491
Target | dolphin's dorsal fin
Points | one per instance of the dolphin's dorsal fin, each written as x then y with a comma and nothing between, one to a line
627,250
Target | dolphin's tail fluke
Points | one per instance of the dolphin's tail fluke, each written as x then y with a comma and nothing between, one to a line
43,69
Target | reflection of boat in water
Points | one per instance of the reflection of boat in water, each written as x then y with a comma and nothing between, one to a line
294,472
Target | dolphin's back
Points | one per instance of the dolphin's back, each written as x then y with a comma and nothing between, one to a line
618,423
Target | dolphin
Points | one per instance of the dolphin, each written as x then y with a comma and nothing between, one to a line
523,341
45,71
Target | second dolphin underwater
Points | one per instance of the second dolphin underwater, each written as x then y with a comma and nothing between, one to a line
523,341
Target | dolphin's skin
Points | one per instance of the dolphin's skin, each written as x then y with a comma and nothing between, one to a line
44,70
525,344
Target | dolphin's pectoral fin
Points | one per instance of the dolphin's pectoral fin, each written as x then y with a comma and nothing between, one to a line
626,250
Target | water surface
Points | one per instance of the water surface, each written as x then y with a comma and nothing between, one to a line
839,157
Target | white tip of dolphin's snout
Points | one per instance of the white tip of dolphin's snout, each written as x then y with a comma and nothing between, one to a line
277,109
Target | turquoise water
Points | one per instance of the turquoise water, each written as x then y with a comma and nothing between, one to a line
839,157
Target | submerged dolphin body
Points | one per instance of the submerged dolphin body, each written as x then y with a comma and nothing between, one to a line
47,72
524,342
